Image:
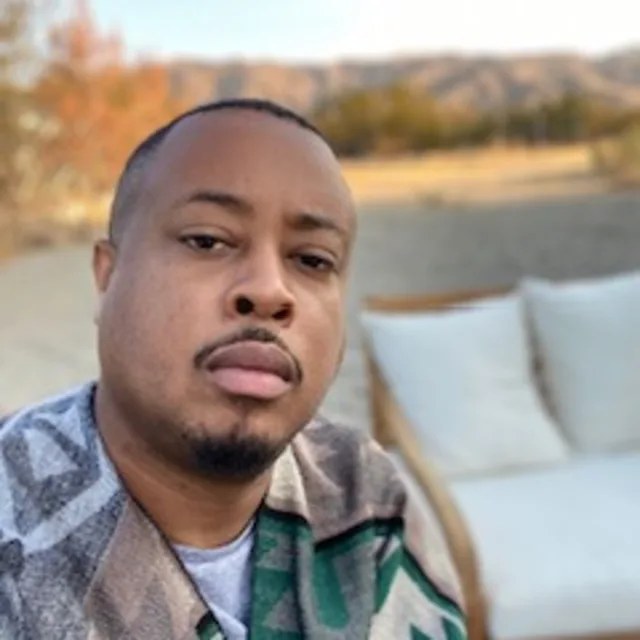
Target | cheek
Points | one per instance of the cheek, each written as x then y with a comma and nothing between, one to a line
151,315
323,330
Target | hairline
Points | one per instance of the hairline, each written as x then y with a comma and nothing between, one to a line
129,184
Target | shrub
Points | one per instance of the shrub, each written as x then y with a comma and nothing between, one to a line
618,159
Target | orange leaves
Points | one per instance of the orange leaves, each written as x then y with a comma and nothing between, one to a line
100,106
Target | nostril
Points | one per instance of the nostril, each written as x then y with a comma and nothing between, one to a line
283,314
244,305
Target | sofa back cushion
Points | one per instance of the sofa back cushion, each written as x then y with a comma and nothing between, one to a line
588,335
463,378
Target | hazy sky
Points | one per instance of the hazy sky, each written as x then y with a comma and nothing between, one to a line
332,29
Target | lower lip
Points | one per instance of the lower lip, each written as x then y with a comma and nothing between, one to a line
249,383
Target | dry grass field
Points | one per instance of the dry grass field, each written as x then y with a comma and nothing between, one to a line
474,176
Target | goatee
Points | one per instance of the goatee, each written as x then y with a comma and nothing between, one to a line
231,457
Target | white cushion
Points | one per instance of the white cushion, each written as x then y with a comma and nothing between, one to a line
559,548
588,333
463,379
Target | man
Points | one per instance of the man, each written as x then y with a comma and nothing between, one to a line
191,492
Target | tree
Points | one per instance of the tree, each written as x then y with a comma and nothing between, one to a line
386,120
412,119
98,106
19,137
14,21
351,122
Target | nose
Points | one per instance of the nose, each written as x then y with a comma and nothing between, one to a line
261,290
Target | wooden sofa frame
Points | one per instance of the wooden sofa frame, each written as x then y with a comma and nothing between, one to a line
391,429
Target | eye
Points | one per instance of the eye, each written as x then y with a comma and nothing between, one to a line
316,263
203,242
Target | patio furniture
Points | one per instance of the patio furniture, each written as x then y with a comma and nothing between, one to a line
492,406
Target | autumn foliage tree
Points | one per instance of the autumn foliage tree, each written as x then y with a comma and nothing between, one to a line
96,105
17,20
14,21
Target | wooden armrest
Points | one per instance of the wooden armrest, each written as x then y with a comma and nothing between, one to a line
391,428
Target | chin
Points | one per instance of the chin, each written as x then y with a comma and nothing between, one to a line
244,417
240,451
252,415
263,428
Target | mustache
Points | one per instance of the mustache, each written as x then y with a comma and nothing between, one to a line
248,334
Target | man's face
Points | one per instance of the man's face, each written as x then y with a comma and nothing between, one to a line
222,309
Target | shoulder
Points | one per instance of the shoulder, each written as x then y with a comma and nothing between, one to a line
51,414
59,507
50,456
352,483
347,476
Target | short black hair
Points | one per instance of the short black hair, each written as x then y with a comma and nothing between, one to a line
127,188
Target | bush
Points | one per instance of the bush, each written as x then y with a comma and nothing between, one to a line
618,159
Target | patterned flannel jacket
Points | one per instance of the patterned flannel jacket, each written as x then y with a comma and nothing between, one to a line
340,551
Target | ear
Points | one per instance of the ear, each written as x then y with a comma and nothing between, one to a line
104,261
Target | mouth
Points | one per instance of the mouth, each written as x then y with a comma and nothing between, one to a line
252,369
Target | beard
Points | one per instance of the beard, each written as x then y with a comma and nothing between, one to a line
232,456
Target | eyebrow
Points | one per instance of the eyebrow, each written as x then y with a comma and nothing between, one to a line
313,221
300,220
228,201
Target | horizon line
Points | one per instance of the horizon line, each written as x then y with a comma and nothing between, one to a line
363,58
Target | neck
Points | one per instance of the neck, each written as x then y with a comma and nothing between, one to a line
189,509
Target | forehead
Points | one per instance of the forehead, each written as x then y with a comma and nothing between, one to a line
258,156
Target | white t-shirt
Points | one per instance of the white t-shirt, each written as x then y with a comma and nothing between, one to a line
223,577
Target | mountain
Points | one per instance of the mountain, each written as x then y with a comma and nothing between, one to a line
483,82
